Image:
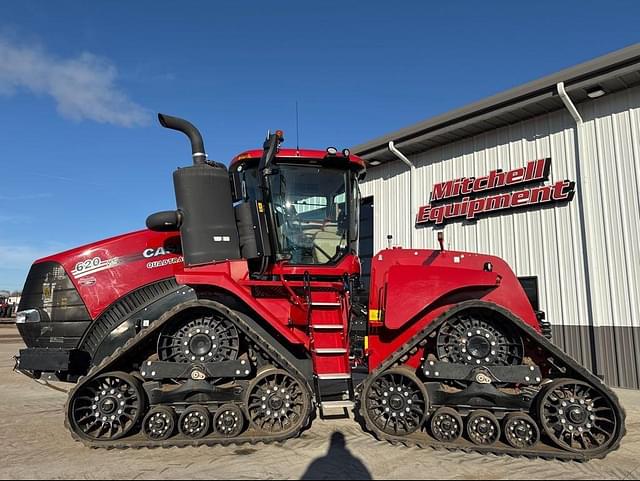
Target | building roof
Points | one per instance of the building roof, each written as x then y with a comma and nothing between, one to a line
616,71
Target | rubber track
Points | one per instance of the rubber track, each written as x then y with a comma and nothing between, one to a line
543,451
123,309
138,440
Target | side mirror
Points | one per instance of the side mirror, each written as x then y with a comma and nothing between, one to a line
165,221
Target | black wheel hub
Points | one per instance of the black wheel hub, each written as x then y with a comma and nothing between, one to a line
521,430
577,417
483,427
475,340
480,347
396,403
108,405
210,338
202,345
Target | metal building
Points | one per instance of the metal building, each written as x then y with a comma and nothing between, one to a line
581,241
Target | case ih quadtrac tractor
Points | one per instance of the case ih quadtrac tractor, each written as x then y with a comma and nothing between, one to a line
230,320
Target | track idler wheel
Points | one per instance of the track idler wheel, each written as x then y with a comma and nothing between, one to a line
278,403
446,425
159,424
228,421
195,422
396,402
577,417
483,428
107,408
521,431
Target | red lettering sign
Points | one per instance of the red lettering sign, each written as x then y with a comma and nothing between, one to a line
471,206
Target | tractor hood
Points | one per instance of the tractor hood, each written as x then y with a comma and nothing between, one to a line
102,272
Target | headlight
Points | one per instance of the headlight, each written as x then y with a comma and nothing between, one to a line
30,315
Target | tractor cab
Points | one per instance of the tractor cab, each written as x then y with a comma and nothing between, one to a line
311,198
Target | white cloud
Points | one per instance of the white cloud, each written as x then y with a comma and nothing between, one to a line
83,87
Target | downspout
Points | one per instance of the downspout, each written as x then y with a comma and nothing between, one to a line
568,103
412,189
570,106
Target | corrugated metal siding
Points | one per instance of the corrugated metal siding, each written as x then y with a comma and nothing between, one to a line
610,149
554,243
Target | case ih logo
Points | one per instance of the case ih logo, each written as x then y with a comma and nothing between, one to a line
472,206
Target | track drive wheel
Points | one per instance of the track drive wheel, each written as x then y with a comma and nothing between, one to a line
277,402
195,422
396,402
228,421
159,424
577,417
483,428
203,337
107,408
446,425
521,431
473,338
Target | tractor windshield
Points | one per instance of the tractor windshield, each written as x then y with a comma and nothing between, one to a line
313,209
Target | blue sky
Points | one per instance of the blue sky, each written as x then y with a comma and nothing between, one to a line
81,157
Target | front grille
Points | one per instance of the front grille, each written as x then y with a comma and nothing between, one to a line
49,289
64,317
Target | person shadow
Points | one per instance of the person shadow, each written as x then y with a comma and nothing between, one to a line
338,463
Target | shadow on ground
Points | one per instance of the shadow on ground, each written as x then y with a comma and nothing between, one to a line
338,463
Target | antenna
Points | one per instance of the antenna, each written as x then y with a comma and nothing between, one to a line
297,128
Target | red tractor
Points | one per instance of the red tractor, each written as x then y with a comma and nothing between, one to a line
231,320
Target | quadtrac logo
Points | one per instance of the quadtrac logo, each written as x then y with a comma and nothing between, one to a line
160,252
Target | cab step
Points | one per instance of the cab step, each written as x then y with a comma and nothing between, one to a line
330,350
337,404
326,304
334,377
328,327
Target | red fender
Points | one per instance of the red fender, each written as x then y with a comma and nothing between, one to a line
412,289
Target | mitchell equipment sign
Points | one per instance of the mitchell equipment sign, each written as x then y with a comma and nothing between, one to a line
472,205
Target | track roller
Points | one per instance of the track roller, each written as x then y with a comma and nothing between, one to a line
159,424
228,421
195,422
107,408
483,428
446,425
521,431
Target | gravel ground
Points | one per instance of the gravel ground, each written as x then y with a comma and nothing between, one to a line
35,445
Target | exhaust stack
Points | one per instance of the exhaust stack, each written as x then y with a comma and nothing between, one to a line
197,144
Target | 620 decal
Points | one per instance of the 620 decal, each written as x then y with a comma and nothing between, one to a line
93,265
